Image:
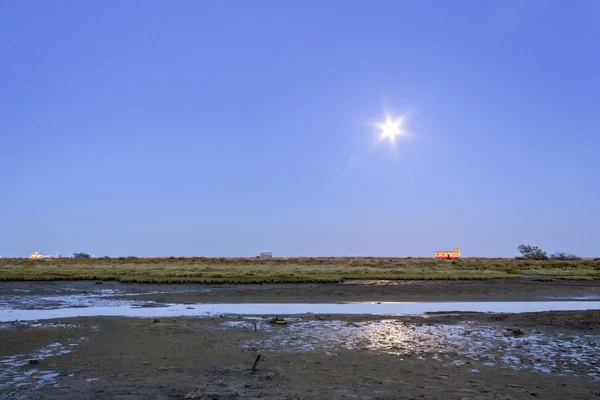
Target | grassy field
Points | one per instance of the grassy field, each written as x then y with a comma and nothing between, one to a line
290,270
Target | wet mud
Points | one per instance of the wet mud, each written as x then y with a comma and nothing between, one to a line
351,291
309,357
451,355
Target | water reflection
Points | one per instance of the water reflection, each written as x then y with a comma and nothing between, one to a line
21,371
465,343
84,306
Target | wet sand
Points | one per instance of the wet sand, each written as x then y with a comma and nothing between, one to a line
384,291
352,291
134,358
550,355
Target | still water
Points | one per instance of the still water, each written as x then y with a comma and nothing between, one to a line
150,309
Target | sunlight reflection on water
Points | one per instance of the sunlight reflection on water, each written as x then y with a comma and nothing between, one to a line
477,343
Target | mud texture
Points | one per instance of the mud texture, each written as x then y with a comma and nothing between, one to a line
492,290
211,358
550,355
352,291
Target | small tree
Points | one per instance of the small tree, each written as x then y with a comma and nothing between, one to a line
81,255
532,252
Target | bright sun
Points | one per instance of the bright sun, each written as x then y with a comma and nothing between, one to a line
391,128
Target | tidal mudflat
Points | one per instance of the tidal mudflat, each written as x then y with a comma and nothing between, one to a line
322,353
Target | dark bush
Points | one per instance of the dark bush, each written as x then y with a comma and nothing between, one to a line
532,252
81,255
563,256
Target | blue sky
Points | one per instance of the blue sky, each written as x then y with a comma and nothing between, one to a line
227,128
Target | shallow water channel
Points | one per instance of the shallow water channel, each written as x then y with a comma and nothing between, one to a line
29,301
150,309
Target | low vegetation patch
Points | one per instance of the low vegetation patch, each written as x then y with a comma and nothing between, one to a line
290,270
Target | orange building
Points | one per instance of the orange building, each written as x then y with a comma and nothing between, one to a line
448,254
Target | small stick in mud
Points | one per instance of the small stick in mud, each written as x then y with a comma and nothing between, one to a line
255,363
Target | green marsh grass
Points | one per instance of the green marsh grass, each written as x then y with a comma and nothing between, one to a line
289,270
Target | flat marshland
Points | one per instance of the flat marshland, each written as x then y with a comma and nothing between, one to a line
291,270
58,339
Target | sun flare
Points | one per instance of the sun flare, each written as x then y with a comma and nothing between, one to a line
391,128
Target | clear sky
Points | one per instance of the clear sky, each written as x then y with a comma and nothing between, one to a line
227,128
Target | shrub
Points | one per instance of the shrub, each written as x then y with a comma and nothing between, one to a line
532,253
563,256
81,255
508,268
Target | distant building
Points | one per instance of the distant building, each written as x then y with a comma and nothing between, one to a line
266,255
448,254
38,256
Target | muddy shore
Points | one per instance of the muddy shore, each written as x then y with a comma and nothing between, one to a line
550,355
135,358
351,291
496,290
